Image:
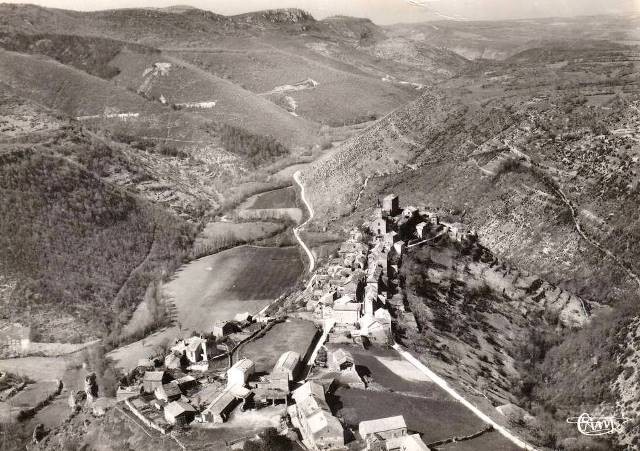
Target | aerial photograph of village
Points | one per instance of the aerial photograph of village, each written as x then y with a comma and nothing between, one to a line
314,225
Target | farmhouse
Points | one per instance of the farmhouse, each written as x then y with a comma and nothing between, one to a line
274,389
373,328
242,317
153,379
193,348
240,372
179,413
380,430
320,429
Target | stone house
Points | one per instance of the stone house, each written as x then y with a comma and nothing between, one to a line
411,442
378,226
348,313
340,360
318,426
380,430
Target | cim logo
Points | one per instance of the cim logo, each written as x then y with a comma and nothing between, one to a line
588,425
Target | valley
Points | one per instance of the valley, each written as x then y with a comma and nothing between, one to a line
178,182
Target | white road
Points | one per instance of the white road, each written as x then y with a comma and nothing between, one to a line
406,355
440,382
296,230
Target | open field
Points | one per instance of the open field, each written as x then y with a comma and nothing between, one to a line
31,367
279,198
244,231
434,419
217,287
292,335
388,369
491,440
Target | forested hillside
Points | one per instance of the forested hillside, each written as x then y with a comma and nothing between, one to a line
82,251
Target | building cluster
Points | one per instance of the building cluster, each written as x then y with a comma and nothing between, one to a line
352,296
354,293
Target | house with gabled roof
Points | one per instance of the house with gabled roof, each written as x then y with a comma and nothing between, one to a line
382,429
179,413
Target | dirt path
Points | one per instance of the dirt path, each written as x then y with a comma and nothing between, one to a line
361,192
574,216
594,243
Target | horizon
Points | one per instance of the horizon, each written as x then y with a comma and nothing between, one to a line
383,12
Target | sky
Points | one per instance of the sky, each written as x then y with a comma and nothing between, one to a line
382,11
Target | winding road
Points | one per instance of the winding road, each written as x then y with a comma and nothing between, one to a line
405,354
296,230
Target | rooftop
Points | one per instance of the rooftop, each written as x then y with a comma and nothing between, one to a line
221,402
287,361
381,425
171,389
351,306
153,376
175,408
243,364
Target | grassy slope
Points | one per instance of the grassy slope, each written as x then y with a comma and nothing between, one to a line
186,83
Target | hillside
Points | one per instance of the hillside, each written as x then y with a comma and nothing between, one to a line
264,52
541,160
119,243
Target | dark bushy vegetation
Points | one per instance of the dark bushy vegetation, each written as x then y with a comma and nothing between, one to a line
257,149
76,244
89,54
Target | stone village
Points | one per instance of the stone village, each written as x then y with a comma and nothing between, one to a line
351,299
